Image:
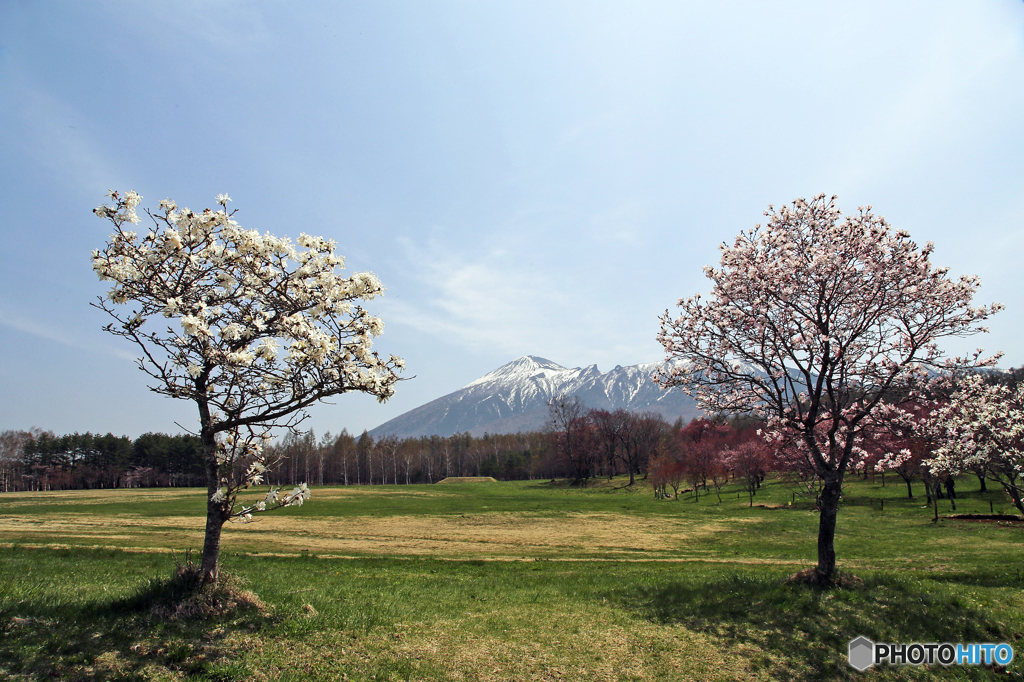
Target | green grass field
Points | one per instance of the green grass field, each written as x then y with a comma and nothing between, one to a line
505,581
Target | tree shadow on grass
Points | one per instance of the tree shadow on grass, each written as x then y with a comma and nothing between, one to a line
123,639
1004,578
803,632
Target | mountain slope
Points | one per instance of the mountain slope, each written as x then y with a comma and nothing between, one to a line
514,398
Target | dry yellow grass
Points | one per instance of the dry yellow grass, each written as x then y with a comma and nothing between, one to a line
494,536
77,498
497,535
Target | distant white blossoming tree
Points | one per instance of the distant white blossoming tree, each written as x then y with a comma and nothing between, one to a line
981,429
812,321
259,330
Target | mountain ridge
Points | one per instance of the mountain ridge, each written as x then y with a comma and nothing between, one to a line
514,397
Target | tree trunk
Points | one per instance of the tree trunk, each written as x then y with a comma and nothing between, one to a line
1014,491
214,510
829,500
910,491
211,543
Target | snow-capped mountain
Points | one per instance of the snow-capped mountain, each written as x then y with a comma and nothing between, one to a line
515,397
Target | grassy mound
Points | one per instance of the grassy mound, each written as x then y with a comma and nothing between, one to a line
469,479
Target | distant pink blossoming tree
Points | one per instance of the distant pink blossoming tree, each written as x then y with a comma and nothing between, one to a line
812,321
901,437
750,461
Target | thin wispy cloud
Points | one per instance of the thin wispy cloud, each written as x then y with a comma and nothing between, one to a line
490,300
61,336
514,301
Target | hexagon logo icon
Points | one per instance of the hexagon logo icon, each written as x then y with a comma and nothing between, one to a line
862,653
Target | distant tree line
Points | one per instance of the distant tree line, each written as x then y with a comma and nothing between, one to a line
600,443
42,460
577,443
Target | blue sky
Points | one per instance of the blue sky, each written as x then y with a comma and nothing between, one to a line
537,178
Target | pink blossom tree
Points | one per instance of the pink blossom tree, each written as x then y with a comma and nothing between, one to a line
901,436
700,444
257,331
812,320
665,469
750,462
905,461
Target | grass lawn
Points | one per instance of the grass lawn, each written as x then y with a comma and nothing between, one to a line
496,581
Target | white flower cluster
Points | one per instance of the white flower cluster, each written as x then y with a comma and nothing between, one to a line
296,497
123,209
982,426
240,297
239,451
981,429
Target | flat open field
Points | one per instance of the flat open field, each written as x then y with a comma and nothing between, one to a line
495,581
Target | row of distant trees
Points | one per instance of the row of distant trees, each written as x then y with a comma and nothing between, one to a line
346,459
578,444
616,442
42,460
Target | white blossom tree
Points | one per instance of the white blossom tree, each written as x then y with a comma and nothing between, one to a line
258,330
812,320
981,428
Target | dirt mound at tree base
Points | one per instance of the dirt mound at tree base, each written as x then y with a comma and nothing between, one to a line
469,479
810,576
184,596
